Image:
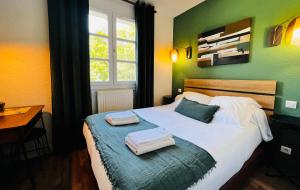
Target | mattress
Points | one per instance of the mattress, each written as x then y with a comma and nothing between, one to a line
230,146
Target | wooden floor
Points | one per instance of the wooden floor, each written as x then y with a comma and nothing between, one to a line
74,172
259,181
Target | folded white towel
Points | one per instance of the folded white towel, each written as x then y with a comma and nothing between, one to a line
121,118
144,141
149,136
138,150
121,115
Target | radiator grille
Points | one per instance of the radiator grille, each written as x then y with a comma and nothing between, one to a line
114,100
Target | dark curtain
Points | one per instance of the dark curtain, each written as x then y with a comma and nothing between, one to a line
69,54
144,16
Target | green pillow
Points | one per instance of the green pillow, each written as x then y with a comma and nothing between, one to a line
201,112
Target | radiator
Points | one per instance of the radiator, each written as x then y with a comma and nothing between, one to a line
114,100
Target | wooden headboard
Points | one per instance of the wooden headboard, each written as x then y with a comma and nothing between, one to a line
263,91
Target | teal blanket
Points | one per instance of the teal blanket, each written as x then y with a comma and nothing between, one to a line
174,167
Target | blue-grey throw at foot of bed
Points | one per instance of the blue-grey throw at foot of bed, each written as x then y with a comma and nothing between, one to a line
171,168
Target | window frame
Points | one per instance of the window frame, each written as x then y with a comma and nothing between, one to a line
116,39
112,51
109,38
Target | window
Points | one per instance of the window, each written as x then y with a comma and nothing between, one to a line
126,63
112,49
99,47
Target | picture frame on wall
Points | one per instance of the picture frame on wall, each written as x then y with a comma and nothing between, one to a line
225,45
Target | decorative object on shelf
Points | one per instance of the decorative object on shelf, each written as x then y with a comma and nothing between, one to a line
292,36
2,105
225,45
174,53
14,111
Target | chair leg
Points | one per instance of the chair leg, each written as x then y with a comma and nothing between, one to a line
47,145
46,138
37,148
40,143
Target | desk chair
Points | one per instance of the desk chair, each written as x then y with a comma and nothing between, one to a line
38,136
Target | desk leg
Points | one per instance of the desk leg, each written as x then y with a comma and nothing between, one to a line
47,142
22,145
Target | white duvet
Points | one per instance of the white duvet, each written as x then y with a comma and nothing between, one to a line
230,146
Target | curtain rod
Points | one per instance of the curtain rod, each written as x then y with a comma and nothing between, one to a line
132,3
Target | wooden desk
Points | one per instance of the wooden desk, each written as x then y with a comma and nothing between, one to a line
15,128
14,121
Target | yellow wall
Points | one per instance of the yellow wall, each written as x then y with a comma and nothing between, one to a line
24,53
25,75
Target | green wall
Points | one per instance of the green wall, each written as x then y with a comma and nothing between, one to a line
281,63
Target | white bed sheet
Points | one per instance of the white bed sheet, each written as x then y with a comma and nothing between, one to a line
230,146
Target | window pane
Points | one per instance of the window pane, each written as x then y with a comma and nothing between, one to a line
125,29
126,71
98,23
99,71
98,47
125,51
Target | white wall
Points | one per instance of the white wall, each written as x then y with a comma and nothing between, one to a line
162,63
166,11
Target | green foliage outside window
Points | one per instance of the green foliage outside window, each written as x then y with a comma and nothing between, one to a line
99,48
126,71
99,71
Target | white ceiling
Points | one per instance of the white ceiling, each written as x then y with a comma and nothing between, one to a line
173,8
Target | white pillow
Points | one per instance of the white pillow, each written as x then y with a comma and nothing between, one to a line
260,120
234,110
226,101
197,97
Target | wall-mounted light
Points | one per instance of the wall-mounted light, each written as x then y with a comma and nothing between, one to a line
293,32
189,52
292,36
174,54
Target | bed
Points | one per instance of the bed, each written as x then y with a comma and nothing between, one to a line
234,160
